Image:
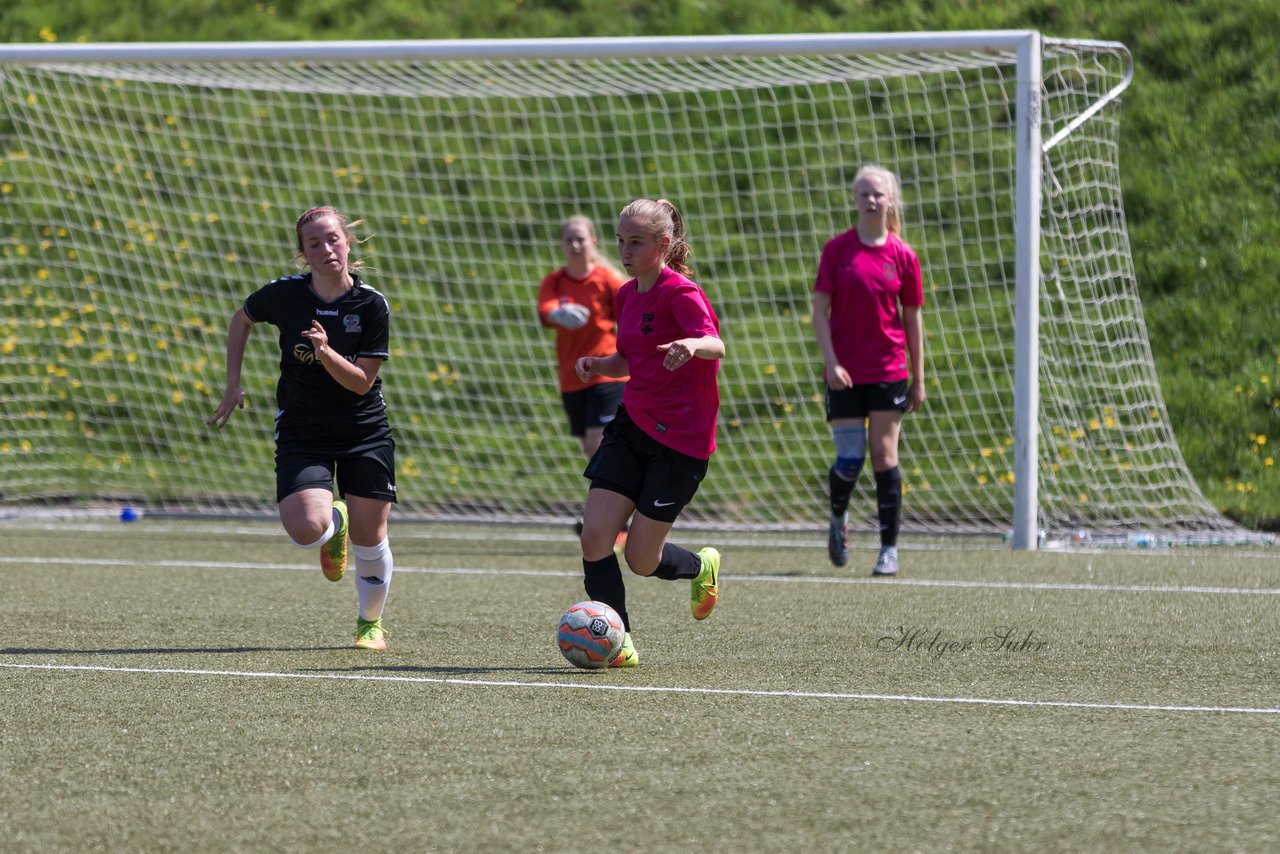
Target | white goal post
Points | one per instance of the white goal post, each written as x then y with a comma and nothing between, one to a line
148,188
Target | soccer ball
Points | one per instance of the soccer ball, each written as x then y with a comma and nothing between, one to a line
590,635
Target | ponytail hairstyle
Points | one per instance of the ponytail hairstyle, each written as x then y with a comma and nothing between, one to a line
314,214
596,257
893,218
662,219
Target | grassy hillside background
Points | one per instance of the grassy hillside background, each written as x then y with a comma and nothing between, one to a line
1200,155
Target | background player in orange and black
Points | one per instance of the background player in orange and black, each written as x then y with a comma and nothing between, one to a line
577,301
331,417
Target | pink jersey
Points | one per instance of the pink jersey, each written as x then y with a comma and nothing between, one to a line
677,408
866,283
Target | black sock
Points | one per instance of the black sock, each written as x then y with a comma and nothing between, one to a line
677,563
889,504
603,580
841,490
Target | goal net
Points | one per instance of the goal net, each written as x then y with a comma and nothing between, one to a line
147,190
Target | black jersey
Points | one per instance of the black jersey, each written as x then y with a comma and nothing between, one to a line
357,324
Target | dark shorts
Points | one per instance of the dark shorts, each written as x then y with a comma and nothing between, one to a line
366,468
657,479
859,401
593,406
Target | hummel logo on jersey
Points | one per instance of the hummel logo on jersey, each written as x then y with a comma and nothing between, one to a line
326,312
663,503
646,323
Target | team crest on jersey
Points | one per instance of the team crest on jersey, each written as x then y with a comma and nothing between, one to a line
304,354
351,322
890,272
646,323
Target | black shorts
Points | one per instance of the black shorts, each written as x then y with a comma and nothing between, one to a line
859,401
593,406
366,468
659,480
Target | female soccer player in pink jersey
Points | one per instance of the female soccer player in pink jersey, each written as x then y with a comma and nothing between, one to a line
872,353
654,454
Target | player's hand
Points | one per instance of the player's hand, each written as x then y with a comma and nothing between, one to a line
232,400
318,337
584,367
838,378
678,353
915,396
571,315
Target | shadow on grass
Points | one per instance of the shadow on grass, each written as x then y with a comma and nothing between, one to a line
169,650
463,671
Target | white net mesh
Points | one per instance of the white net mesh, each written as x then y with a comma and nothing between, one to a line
143,201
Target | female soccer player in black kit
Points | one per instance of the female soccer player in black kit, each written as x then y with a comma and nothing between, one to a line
331,418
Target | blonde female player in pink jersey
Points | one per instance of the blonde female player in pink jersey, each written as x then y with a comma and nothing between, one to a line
654,454
872,353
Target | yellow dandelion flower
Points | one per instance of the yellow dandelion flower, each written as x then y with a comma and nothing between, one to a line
1082,498
769,369
1268,462
1262,440
1094,424
985,452
449,159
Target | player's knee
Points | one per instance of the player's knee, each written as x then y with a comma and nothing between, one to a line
641,561
851,450
848,468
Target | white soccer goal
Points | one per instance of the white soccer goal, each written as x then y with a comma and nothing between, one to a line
148,188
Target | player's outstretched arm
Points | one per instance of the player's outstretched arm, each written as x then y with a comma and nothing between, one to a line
600,366
238,332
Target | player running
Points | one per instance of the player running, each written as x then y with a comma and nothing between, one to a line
654,454
331,417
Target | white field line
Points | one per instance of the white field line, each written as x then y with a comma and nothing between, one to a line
35,562
643,689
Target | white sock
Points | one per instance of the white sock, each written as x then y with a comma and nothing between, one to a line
373,577
324,538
